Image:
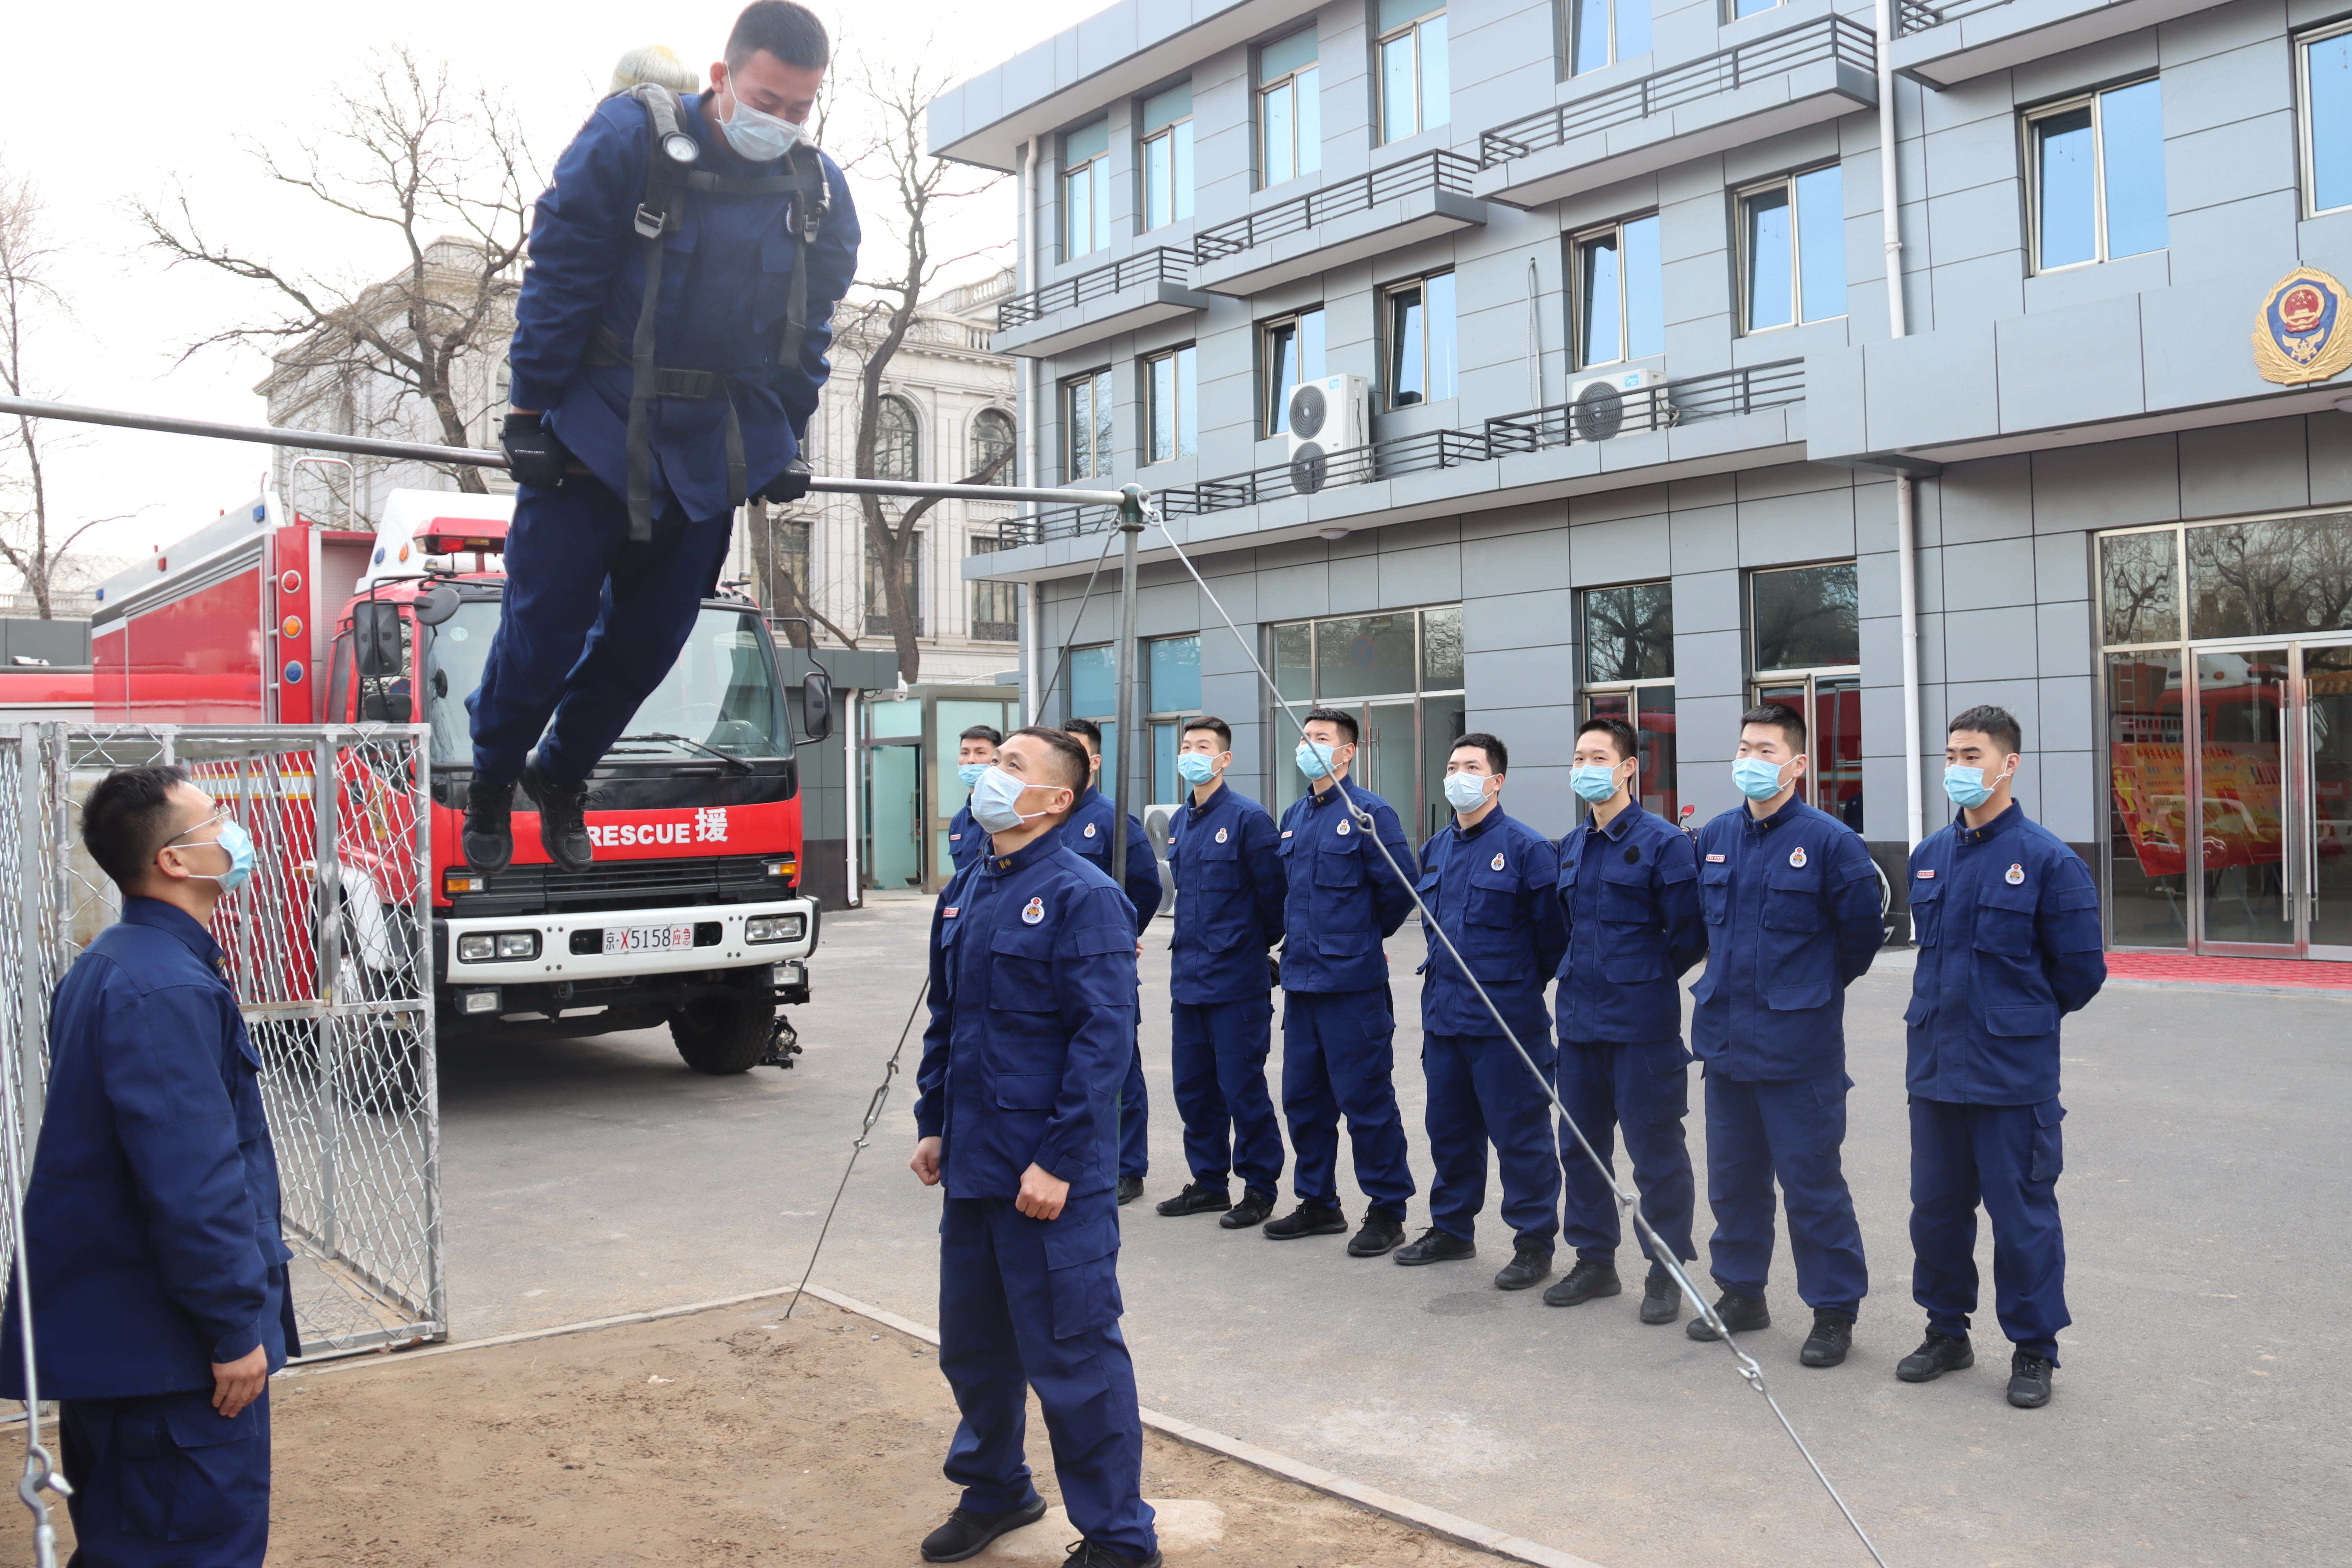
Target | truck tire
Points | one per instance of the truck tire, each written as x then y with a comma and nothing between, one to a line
724,1029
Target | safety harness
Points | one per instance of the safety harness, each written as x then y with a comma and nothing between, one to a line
671,152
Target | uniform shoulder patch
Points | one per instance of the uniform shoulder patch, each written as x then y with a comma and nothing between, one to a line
1797,857
1034,911
1714,860
2015,876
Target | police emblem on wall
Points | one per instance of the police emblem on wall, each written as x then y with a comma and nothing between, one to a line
2303,332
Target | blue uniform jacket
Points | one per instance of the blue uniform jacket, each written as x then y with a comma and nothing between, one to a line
2007,918
966,837
150,1219
1342,897
1791,910
1629,893
1491,890
723,291
1229,892
1088,832
1033,1021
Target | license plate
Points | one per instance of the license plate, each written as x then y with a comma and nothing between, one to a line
646,939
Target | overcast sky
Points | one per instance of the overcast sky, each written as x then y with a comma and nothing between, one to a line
110,104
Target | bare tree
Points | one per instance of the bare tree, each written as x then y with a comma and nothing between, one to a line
781,585
451,176
29,541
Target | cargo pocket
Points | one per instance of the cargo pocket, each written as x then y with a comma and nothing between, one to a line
1926,912
2049,1143
2005,920
1714,893
1082,1276
189,1473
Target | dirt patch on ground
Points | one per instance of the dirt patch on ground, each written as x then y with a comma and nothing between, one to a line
728,1436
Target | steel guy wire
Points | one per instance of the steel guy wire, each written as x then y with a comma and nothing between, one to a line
1660,1252
864,1136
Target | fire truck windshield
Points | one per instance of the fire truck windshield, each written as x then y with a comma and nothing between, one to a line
722,693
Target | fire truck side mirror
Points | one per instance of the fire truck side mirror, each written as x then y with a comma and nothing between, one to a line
375,638
816,705
436,604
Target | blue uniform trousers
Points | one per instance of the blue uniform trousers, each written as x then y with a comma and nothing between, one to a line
1643,1090
1218,1052
1012,1317
1788,1130
1336,1060
162,1481
1480,1090
1134,1116
591,624
2005,1157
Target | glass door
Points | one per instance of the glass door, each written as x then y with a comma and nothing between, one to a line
894,813
2323,700
2242,805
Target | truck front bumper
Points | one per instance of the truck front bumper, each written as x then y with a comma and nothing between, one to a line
571,947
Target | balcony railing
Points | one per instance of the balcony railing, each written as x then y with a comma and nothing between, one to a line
1164,264
1915,16
1751,389
1437,171
1832,39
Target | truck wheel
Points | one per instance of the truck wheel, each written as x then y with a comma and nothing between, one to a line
724,1029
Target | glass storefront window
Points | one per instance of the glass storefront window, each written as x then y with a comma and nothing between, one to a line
2147,801
2276,577
1172,675
1805,617
1093,682
1399,674
1650,710
1629,670
2139,586
1363,656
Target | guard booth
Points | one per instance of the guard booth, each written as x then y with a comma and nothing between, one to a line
911,791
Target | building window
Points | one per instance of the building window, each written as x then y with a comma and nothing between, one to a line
1291,351
992,437
1602,32
2325,93
877,603
1086,190
1094,694
895,440
1413,70
1421,347
2096,166
789,590
1806,629
1172,412
1399,675
995,607
1171,684
1629,675
1289,109
1168,156
1792,250
1739,9
1085,417
1620,304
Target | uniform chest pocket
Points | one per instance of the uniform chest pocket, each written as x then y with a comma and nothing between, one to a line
1715,892
1926,912
1337,863
1211,865
2005,920
1792,900
1021,970
1625,894
1494,898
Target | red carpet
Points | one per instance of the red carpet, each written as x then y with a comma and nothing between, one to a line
2318,976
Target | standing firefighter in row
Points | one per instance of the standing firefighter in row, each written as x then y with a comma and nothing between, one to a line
669,344
1093,822
975,755
2008,923
158,1273
1032,996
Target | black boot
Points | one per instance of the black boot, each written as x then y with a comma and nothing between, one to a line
489,836
1832,1336
1381,1232
1530,1264
1198,1197
1435,1245
1936,1354
2029,1380
562,818
1129,1189
1308,1219
1095,1554
1252,1210
1740,1314
1661,1298
1591,1276
967,1534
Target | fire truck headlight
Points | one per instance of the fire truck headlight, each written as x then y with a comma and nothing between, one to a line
476,949
775,928
518,944
478,1002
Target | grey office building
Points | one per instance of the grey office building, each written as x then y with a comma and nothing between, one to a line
1646,434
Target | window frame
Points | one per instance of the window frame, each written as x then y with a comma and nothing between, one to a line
1810,676
1579,349
1381,41
986,541
2090,99
1187,405
1391,350
878,614
914,439
1429,810
1631,688
1011,472
1095,171
1180,170
1568,10
1274,398
2306,149
1744,262
1160,720
1097,384
1732,13
1289,82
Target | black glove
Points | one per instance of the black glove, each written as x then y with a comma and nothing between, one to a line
789,486
534,454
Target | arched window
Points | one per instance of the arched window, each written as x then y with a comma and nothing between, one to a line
894,440
991,438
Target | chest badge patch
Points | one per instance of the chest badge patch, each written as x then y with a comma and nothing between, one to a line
949,912
1633,854
1345,828
1286,832
1714,860
1496,862
1032,912
1797,857
1221,835
1091,830
1927,876
2015,876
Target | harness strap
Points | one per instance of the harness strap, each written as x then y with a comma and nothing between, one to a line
665,184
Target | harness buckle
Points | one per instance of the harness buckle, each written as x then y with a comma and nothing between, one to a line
650,222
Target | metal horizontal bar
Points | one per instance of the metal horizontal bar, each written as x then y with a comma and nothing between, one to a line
475,457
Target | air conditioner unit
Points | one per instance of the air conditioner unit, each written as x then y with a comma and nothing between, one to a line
1599,407
1325,417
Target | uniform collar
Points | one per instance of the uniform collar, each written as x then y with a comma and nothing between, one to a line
1790,809
1617,824
1195,810
1491,819
1028,854
155,912
1964,834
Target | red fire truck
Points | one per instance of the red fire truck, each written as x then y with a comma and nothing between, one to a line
692,914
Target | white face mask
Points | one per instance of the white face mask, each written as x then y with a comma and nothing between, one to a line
761,138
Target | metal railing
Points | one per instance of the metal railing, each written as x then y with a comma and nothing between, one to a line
1435,171
1830,38
1750,389
1913,16
1161,264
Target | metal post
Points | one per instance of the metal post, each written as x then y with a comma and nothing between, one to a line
31,1049
1130,523
335,1045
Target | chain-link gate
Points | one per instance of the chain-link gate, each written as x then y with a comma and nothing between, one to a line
327,948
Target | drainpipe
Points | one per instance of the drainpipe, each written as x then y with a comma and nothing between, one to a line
1906,565
1031,601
